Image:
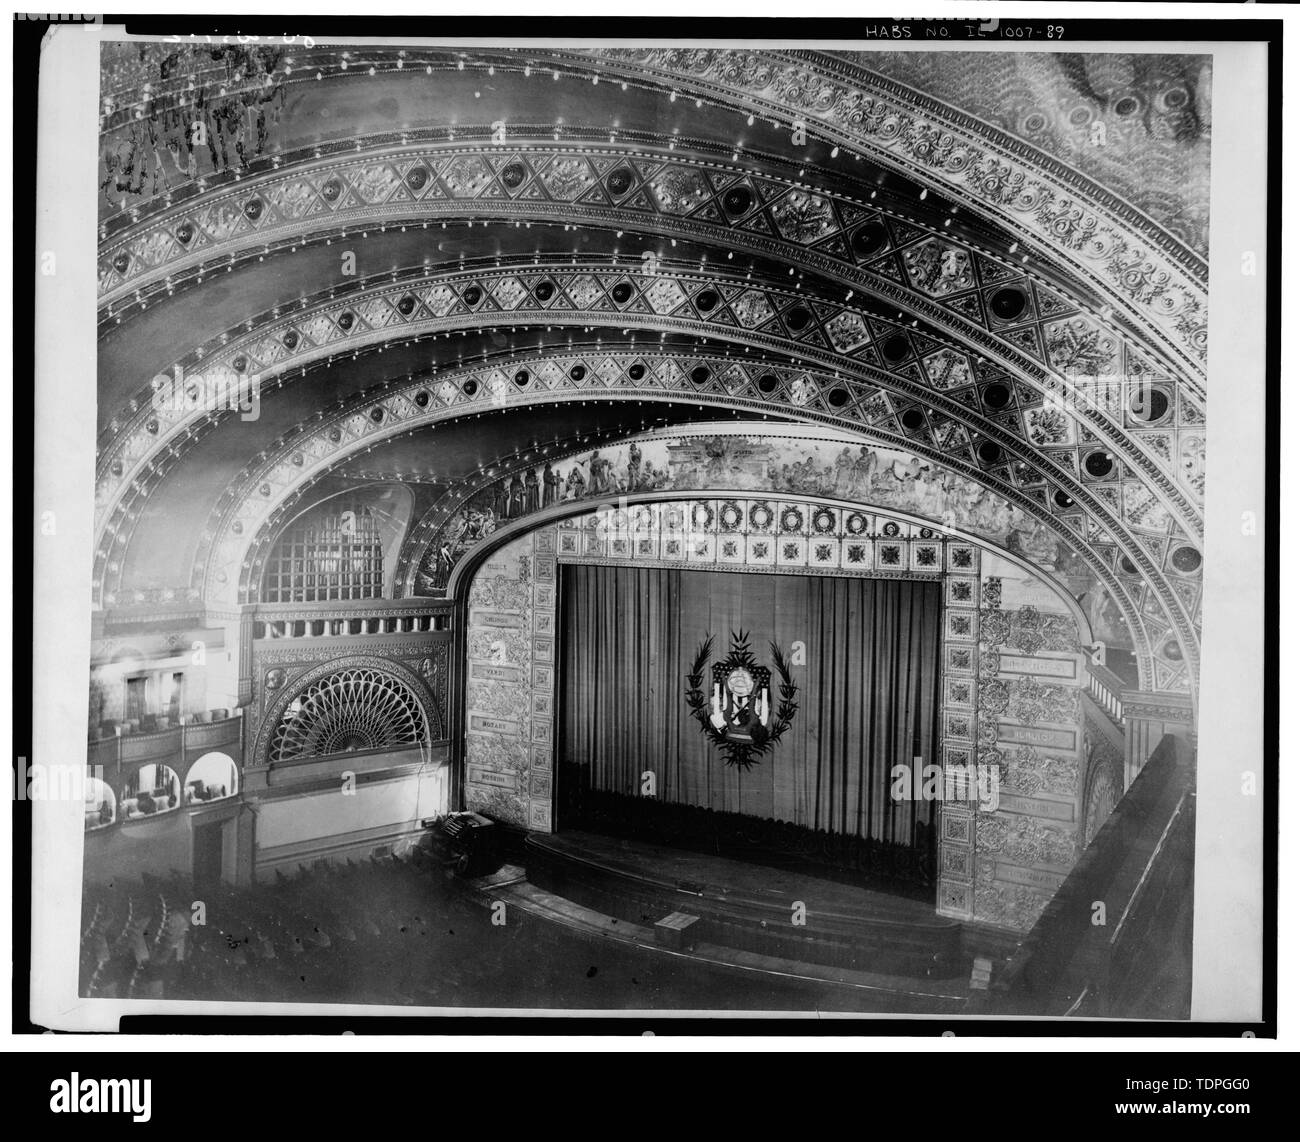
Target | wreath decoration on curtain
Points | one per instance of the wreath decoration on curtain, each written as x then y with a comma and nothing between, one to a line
739,716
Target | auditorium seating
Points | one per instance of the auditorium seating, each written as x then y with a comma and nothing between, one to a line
393,930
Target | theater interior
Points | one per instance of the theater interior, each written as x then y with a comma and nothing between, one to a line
647,527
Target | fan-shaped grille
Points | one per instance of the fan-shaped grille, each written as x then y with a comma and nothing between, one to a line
350,710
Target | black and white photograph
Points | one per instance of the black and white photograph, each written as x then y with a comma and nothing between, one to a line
653,523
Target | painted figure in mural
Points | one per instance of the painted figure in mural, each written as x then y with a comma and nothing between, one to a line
844,473
515,507
806,477
599,468
864,470
575,487
442,567
478,525
909,471
532,497
716,451
550,485
501,498
633,467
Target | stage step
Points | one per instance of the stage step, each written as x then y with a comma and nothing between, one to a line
744,906
856,990
674,930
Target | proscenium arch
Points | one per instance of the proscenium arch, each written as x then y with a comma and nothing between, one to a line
1144,642
1013,446
426,531
463,573
751,403
1028,503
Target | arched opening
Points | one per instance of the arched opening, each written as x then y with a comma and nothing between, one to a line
349,711
213,777
1105,786
101,805
150,791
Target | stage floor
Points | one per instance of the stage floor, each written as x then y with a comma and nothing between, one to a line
719,902
737,882
850,949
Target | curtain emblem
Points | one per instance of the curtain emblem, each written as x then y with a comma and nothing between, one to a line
739,715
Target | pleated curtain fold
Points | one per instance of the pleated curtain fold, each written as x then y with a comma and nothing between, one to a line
866,654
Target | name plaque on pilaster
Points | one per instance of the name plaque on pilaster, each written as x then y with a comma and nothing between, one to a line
1042,667
493,672
1036,735
1036,807
1029,877
484,724
503,621
477,775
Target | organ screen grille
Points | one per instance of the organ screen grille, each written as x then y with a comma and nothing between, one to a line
347,711
333,553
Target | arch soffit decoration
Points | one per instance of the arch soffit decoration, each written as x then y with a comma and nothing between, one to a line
463,575
1147,632
745,310
1147,271
775,213
676,293
1084,370
306,459
1144,268
882,145
424,534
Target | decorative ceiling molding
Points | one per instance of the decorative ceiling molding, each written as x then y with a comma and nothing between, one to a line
1108,296
1147,271
454,503
1137,123
746,312
858,242
255,504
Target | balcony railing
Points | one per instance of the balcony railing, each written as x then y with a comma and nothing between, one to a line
349,620
1107,688
166,745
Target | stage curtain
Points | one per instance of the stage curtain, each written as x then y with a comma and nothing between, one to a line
868,690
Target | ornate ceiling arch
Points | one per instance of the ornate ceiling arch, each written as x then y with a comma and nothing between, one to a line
1147,270
744,310
367,318
839,94
1009,313
254,510
944,285
432,527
